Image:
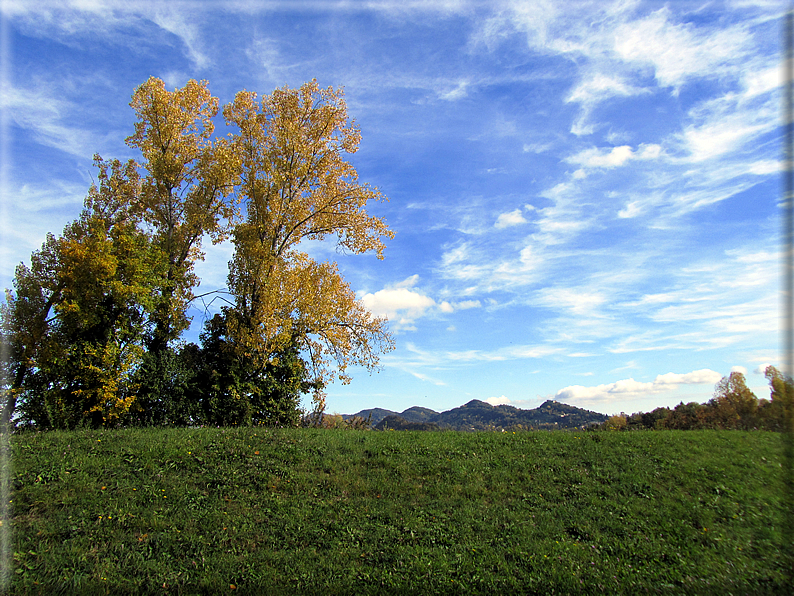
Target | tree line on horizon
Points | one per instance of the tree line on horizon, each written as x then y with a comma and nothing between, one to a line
92,331
733,407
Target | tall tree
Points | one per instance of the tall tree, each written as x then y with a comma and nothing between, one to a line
735,403
296,186
188,176
778,414
78,317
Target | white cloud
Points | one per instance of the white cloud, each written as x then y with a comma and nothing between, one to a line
463,262
513,218
708,303
48,118
418,358
537,147
739,369
175,23
562,220
714,138
758,83
460,262
400,304
466,304
632,209
600,87
765,167
697,377
424,377
614,157
577,301
174,79
498,401
679,52
446,307
408,282
761,368
629,388
264,52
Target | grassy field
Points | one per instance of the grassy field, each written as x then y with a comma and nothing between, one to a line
301,511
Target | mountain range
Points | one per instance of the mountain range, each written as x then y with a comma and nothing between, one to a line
480,415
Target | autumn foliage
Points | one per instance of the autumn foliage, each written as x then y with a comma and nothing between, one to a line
93,327
733,407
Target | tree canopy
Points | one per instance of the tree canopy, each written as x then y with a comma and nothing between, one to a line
94,324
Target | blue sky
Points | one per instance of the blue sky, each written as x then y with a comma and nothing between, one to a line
584,194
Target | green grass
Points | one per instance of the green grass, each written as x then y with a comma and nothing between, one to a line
259,511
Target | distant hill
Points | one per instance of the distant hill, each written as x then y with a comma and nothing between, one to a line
417,414
395,422
480,415
378,414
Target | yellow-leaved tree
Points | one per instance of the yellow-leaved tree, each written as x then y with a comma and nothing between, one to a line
93,321
183,196
296,185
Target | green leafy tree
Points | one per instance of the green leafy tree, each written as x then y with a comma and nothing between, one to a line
690,416
233,390
78,317
616,422
646,420
777,413
167,389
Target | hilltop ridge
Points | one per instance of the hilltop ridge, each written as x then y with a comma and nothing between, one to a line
479,415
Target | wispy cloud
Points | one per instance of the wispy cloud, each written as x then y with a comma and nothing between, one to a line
565,178
48,117
679,52
175,22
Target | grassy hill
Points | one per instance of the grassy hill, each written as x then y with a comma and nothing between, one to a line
309,511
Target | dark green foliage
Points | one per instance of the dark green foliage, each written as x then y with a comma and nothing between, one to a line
690,416
399,423
778,412
167,383
647,420
232,391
